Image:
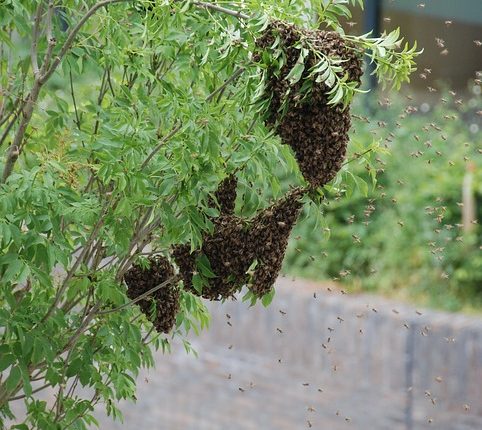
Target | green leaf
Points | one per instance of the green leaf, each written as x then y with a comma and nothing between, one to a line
268,298
197,283
13,378
6,360
295,73
74,367
204,266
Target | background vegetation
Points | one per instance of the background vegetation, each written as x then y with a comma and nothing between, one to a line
402,234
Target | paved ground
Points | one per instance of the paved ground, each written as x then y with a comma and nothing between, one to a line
189,394
239,383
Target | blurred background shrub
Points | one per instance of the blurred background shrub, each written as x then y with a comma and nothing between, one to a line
403,235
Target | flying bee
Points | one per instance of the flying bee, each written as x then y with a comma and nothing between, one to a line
440,42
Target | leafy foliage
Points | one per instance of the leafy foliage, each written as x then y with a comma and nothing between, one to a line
119,119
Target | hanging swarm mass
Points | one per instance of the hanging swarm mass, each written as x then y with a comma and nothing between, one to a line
269,234
226,195
224,249
162,306
236,244
316,131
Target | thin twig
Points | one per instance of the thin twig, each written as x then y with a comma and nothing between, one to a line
217,8
170,281
35,38
233,77
77,263
13,111
73,33
77,119
51,42
148,334
21,396
357,157
160,145
9,127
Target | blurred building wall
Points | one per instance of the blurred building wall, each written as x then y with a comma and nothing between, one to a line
449,31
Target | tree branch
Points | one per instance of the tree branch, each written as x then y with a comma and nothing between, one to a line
77,118
75,266
73,33
21,396
217,8
170,281
42,77
161,143
51,42
232,78
35,38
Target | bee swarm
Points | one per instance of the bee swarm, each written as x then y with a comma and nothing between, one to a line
165,300
250,252
236,244
316,131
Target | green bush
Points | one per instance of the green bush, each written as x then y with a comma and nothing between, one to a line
404,237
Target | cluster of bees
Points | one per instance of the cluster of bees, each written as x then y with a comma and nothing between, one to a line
250,252
315,130
162,306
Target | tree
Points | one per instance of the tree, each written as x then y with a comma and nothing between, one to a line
131,130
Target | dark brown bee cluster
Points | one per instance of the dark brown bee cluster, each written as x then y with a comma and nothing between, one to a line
269,234
224,249
226,195
162,306
316,131
236,244
250,252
